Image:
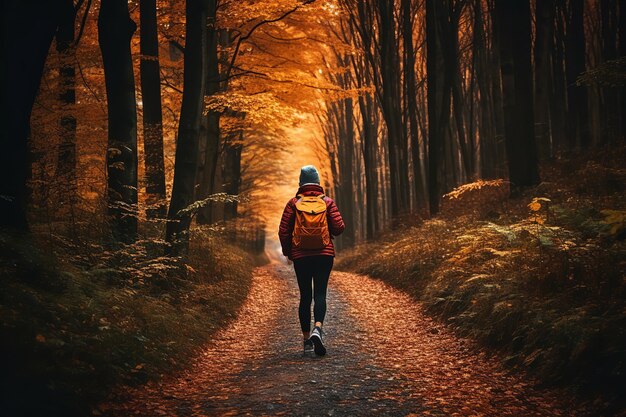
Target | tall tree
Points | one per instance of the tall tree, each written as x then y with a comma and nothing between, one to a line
610,95
346,166
231,176
544,35
577,112
558,95
115,29
210,132
366,74
391,105
621,23
411,98
152,115
66,164
26,35
438,96
185,164
450,39
369,144
513,31
487,126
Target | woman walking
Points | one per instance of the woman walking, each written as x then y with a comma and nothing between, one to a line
309,223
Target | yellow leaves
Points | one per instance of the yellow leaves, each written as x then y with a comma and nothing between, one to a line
262,109
535,204
473,186
476,199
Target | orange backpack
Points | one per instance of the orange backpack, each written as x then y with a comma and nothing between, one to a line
311,229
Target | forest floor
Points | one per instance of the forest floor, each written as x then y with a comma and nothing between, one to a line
385,357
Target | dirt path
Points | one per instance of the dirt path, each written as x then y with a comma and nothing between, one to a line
385,357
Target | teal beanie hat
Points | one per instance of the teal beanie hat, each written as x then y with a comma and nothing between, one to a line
309,175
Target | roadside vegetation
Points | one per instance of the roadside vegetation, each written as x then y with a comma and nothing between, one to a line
77,319
540,276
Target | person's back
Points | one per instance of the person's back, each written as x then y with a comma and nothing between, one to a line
310,250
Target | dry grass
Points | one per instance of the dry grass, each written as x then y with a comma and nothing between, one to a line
541,277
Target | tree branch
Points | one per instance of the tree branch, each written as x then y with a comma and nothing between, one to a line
241,39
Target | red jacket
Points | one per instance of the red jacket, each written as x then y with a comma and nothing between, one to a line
335,224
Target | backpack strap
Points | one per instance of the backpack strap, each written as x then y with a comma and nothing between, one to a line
301,196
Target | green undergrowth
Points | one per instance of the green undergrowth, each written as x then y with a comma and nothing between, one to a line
77,319
542,278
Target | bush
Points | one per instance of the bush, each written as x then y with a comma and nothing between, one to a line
542,281
76,324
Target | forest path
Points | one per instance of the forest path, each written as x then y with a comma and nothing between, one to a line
385,357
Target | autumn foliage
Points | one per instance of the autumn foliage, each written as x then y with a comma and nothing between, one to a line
539,276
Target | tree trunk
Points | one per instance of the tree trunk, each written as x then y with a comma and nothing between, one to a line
450,40
577,114
27,32
486,127
115,29
391,104
438,96
152,114
558,99
513,31
622,52
370,163
212,137
66,162
544,34
610,107
346,161
411,97
232,176
185,164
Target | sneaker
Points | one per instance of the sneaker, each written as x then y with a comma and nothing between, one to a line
308,346
316,338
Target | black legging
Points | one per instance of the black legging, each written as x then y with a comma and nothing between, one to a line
315,269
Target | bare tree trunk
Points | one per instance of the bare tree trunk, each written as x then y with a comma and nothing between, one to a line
486,126
194,83
438,93
212,137
622,52
450,48
232,176
411,93
610,113
30,27
558,99
391,104
115,29
544,34
66,161
513,31
152,115
577,114
346,160
368,148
